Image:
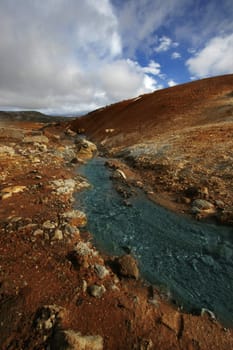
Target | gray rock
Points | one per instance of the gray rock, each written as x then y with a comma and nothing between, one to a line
202,204
47,317
70,340
128,266
66,186
75,217
71,230
58,235
38,233
85,249
49,225
101,271
36,139
7,150
96,291
202,208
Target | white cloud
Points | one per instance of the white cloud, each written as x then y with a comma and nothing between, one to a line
214,59
50,52
175,55
164,44
65,56
171,83
126,78
153,68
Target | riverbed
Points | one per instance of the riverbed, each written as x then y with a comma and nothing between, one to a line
191,262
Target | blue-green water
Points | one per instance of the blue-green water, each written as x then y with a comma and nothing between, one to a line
191,260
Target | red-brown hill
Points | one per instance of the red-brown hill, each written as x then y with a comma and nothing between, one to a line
178,140
146,116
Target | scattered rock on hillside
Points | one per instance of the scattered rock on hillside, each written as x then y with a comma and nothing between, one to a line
75,218
96,291
48,316
70,340
101,271
9,191
127,266
36,139
7,150
202,206
62,186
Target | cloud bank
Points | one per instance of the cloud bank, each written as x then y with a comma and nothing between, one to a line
74,55
214,59
65,55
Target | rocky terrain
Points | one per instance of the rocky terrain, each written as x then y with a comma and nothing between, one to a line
177,141
57,291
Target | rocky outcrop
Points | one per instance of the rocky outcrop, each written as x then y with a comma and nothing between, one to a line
86,149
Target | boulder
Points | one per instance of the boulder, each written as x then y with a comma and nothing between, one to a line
70,340
63,187
49,225
86,149
48,316
75,218
58,235
96,291
202,207
127,266
101,271
7,192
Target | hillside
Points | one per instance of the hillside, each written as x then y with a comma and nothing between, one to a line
178,140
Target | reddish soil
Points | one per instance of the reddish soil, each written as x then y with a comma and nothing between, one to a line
38,270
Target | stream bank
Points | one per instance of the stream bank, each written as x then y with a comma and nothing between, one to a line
189,260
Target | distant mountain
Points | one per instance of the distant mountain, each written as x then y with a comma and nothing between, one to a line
30,116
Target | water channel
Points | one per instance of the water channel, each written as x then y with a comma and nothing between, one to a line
191,261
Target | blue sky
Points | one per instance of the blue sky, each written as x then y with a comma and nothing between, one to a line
67,56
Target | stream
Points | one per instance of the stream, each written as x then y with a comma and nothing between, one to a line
191,262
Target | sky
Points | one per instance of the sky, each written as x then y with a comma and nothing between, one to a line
73,56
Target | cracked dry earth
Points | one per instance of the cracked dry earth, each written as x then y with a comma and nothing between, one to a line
56,290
